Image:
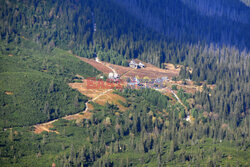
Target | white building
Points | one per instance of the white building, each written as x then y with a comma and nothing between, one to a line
188,118
113,75
97,60
141,65
133,64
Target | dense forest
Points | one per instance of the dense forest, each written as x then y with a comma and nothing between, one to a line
121,35
151,133
38,40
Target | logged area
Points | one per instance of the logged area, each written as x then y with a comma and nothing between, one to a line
150,71
99,95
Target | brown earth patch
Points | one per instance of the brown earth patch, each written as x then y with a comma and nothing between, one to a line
81,116
11,55
82,88
100,96
93,88
9,93
44,127
172,67
99,66
150,71
91,107
112,98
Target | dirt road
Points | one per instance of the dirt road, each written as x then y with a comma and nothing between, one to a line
176,96
46,126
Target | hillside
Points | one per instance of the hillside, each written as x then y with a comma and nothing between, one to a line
33,84
247,2
50,116
194,21
121,31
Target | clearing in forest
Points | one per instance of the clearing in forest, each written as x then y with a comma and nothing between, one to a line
150,71
9,93
112,98
39,128
100,96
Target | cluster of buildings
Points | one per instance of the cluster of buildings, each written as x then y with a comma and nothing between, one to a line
157,83
135,82
113,75
133,64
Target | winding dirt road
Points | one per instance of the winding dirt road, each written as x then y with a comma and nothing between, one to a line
46,126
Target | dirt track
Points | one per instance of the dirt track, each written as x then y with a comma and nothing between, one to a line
39,128
101,96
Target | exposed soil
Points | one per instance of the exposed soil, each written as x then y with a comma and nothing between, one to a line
44,127
172,67
149,71
39,128
91,107
99,66
112,99
85,115
81,87
9,93
100,96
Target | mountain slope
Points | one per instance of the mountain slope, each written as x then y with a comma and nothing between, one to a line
121,27
219,22
33,84
37,39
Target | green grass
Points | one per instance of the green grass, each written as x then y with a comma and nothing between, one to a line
38,83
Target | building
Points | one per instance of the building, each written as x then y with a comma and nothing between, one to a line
133,81
188,118
113,75
97,59
116,76
141,65
133,64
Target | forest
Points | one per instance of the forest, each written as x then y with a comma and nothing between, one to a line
151,134
38,41
38,81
